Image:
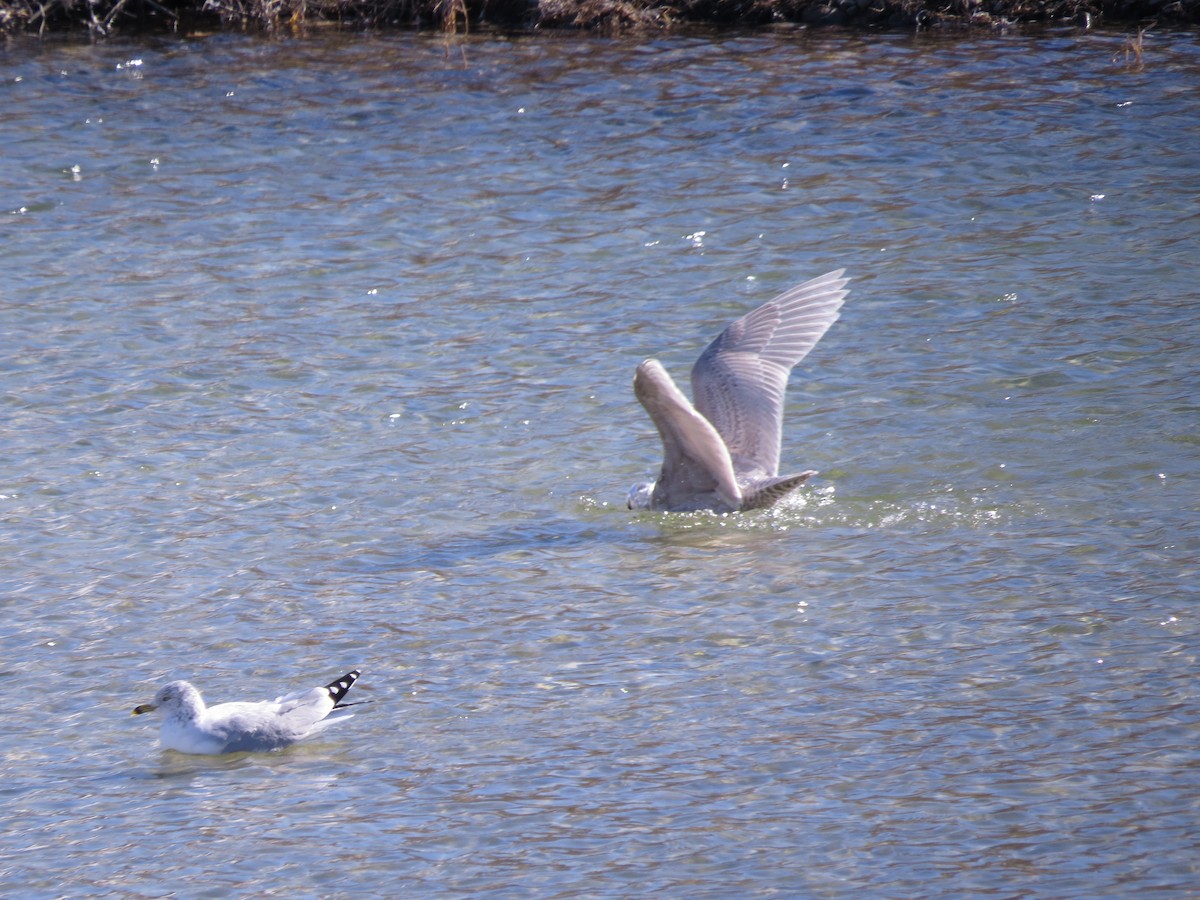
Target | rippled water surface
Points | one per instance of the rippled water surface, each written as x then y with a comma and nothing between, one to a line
317,354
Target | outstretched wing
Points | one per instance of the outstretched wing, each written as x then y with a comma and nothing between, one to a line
739,381
695,459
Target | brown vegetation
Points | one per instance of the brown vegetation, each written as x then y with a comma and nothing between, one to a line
106,16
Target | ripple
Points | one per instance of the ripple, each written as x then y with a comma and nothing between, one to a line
345,372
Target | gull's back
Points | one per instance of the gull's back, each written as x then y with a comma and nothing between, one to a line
249,726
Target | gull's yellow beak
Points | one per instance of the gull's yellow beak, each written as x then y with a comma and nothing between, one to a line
144,708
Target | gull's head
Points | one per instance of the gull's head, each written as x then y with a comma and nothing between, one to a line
170,697
640,496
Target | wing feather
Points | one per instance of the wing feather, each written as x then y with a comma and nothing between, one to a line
740,379
695,459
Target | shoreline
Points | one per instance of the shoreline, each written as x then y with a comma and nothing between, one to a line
105,17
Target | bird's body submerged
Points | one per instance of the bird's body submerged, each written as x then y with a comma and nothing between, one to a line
191,727
722,453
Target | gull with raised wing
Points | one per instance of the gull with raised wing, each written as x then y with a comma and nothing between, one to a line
722,453
191,727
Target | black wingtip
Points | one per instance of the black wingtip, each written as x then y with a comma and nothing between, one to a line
339,687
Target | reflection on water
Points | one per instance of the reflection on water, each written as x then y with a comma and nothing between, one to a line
319,353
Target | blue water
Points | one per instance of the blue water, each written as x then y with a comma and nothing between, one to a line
317,353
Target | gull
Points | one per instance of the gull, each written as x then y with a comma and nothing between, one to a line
722,454
191,727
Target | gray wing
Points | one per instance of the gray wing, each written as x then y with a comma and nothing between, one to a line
739,381
243,726
306,713
301,711
695,459
255,727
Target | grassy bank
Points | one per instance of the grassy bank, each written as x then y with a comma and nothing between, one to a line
108,16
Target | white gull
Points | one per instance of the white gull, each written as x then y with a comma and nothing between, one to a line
722,454
191,727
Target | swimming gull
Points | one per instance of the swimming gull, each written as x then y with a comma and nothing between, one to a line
722,454
191,727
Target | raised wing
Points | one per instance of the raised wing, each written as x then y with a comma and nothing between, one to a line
739,381
695,460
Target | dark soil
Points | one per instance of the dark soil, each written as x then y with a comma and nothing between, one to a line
102,17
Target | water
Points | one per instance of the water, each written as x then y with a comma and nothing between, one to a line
317,354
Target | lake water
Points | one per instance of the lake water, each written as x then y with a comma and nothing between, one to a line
318,354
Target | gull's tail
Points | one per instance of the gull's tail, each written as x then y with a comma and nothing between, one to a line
771,491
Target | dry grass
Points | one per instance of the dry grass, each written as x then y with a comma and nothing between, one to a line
603,15
458,16
1133,49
